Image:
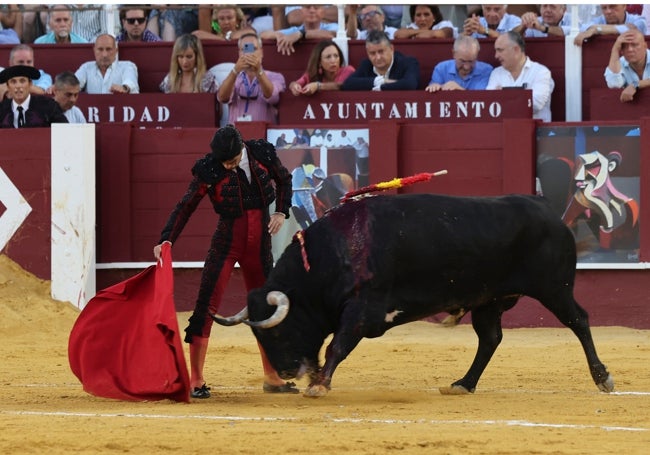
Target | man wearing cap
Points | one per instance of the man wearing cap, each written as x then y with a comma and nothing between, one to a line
22,109
241,180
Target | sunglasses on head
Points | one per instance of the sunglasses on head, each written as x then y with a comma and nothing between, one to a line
133,20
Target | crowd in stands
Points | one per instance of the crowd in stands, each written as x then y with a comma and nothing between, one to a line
250,92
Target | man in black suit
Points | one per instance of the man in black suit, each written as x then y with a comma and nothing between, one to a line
25,110
385,68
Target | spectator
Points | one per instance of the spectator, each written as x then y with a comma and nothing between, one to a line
629,64
385,68
326,70
329,140
259,19
281,141
613,21
295,15
494,22
464,71
66,93
251,92
106,74
316,139
312,27
89,21
172,21
393,14
187,70
134,26
427,23
371,18
60,22
518,70
228,23
552,21
24,55
9,15
344,140
34,20
22,109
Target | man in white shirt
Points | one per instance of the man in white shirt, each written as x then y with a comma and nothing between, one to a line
107,74
518,70
66,93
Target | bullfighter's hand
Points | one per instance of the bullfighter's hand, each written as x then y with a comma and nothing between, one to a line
158,248
276,222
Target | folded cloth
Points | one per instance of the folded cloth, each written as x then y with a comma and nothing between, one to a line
125,344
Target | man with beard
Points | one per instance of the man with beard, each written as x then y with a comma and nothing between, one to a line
464,71
60,22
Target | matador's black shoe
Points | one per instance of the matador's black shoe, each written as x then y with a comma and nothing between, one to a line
201,392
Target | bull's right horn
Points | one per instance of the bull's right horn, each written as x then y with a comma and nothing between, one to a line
232,320
279,299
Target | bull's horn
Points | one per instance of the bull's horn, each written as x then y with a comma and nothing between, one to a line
232,320
282,302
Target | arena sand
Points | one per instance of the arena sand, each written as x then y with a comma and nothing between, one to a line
536,397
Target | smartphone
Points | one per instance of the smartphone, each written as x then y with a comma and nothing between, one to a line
249,48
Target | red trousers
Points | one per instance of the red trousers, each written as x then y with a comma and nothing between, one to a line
245,240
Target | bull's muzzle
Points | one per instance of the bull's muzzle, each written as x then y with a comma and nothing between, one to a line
276,298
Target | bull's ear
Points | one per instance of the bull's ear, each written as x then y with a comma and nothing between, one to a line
281,301
240,317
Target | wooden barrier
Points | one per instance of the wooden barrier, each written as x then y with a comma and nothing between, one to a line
605,104
355,108
173,110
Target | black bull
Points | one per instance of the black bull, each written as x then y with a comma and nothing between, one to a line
384,261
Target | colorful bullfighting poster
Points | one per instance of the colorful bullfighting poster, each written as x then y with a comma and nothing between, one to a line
325,163
591,176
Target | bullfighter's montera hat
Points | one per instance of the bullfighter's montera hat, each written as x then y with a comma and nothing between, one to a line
17,71
226,143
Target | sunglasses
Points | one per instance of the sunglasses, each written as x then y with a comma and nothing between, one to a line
368,15
133,20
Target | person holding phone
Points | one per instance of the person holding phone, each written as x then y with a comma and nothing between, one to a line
250,91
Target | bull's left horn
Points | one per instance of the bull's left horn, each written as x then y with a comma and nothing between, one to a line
282,302
232,320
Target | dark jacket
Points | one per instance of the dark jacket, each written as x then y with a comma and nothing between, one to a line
405,71
42,112
222,186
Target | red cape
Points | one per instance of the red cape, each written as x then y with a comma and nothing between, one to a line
125,343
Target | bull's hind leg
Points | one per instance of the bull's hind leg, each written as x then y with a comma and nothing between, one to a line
486,321
572,315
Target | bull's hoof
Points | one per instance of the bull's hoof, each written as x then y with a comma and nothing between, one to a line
315,391
454,390
608,385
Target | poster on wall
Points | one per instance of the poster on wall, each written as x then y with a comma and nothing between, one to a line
325,163
590,174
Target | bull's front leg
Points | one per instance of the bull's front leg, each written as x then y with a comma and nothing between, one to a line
486,322
343,342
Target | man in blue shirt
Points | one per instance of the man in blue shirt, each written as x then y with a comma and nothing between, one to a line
464,71
629,64
60,22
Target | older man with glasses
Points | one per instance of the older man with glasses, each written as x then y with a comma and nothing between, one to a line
464,71
134,26
371,17
60,22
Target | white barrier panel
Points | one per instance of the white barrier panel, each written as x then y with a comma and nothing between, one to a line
73,213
